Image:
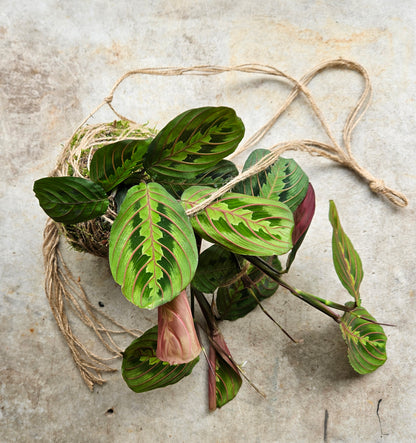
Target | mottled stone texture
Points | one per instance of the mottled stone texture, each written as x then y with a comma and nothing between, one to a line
59,60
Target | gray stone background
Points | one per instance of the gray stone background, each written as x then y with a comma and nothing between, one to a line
59,60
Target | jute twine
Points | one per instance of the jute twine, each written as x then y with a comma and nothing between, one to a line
64,290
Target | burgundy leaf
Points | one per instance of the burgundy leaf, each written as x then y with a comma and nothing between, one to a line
303,214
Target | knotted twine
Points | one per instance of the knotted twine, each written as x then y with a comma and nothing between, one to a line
63,290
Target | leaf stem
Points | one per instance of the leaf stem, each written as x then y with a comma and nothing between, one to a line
250,290
326,302
206,309
316,302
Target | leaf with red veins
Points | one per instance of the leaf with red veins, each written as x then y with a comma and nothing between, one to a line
224,380
177,341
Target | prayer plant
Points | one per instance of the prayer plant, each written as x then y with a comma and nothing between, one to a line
155,249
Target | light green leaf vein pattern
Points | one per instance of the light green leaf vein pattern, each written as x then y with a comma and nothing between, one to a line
366,340
228,382
193,142
113,163
143,371
284,180
153,254
241,223
347,262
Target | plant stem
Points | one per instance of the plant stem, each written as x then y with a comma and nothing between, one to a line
206,309
326,302
316,302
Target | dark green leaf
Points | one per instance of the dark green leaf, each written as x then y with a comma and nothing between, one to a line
216,266
70,199
347,262
227,382
224,380
215,177
193,142
366,340
114,163
241,223
242,296
284,180
152,247
143,371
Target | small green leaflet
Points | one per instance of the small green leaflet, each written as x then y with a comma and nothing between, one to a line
193,142
215,177
152,247
224,379
238,299
143,371
216,267
70,200
115,162
227,382
241,223
284,180
347,262
366,340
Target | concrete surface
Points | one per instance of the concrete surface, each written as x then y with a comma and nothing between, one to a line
58,61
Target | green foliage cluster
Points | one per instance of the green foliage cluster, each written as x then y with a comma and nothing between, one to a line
155,247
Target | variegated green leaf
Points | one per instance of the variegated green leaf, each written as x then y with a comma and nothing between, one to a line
366,340
284,180
70,199
347,262
242,296
241,223
193,142
216,176
216,267
152,248
143,371
114,163
226,381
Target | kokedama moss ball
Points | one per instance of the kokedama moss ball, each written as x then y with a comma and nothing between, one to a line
92,236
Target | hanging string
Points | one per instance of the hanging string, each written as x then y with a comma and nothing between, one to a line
335,152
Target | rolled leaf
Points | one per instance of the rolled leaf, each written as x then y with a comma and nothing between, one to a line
216,267
143,371
70,199
114,163
177,341
193,142
347,262
241,223
366,340
224,380
284,180
152,247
